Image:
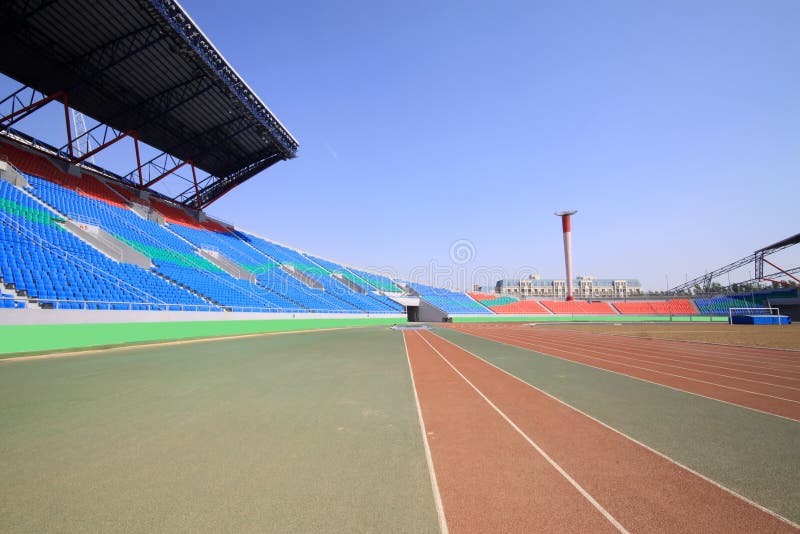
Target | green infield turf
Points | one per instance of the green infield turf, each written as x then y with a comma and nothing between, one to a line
307,432
752,453
17,339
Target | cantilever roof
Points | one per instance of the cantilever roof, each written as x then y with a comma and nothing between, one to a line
144,65
783,243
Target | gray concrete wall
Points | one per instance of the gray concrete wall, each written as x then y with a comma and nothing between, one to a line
39,316
349,283
428,313
109,245
10,174
226,265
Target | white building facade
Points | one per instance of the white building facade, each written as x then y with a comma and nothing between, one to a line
585,287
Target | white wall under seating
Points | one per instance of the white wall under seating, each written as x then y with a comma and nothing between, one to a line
39,316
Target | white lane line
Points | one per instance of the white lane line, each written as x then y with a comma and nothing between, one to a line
639,357
611,519
663,373
727,352
671,354
486,338
734,348
634,440
710,356
437,497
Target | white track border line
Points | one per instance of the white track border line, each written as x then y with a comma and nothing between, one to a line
640,353
674,355
655,370
611,519
634,440
437,497
686,350
681,340
625,375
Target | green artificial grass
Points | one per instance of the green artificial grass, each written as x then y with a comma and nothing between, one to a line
309,432
16,339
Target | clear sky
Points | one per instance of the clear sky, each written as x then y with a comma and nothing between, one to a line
424,127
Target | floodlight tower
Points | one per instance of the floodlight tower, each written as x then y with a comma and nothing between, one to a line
566,226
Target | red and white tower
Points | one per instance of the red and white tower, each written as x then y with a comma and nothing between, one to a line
566,226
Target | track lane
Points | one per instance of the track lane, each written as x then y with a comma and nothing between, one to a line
773,401
687,356
787,360
788,390
642,489
489,477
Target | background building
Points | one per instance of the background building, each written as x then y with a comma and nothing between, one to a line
586,287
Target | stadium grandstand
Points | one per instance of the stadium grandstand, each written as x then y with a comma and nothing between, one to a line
80,237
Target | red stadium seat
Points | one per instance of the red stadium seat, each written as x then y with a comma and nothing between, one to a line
521,307
579,307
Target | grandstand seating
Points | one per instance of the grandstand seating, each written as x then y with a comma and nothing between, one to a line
11,302
481,297
178,215
44,261
192,280
670,307
449,301
51,265
721,305
378,281
520,307
505,304
578,307
335,292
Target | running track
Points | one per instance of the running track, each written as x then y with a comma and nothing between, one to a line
762,379
507,457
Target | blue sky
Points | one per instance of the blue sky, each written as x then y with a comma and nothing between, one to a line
673,127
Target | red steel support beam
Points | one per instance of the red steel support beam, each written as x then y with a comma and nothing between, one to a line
102,147
765,260
164,175
196,189
784,282
68,125
32,107
138,158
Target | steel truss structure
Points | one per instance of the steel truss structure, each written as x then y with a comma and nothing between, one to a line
144,71
757,259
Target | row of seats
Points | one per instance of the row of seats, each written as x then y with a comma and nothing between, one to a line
176,257
333,289
578,307
51,265
520,307
10,302
39,166
670,307
721,305
449,301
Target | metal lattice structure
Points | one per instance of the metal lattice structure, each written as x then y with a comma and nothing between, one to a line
757,259
144,70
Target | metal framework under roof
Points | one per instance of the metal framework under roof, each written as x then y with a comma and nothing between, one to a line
757,259
145,70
